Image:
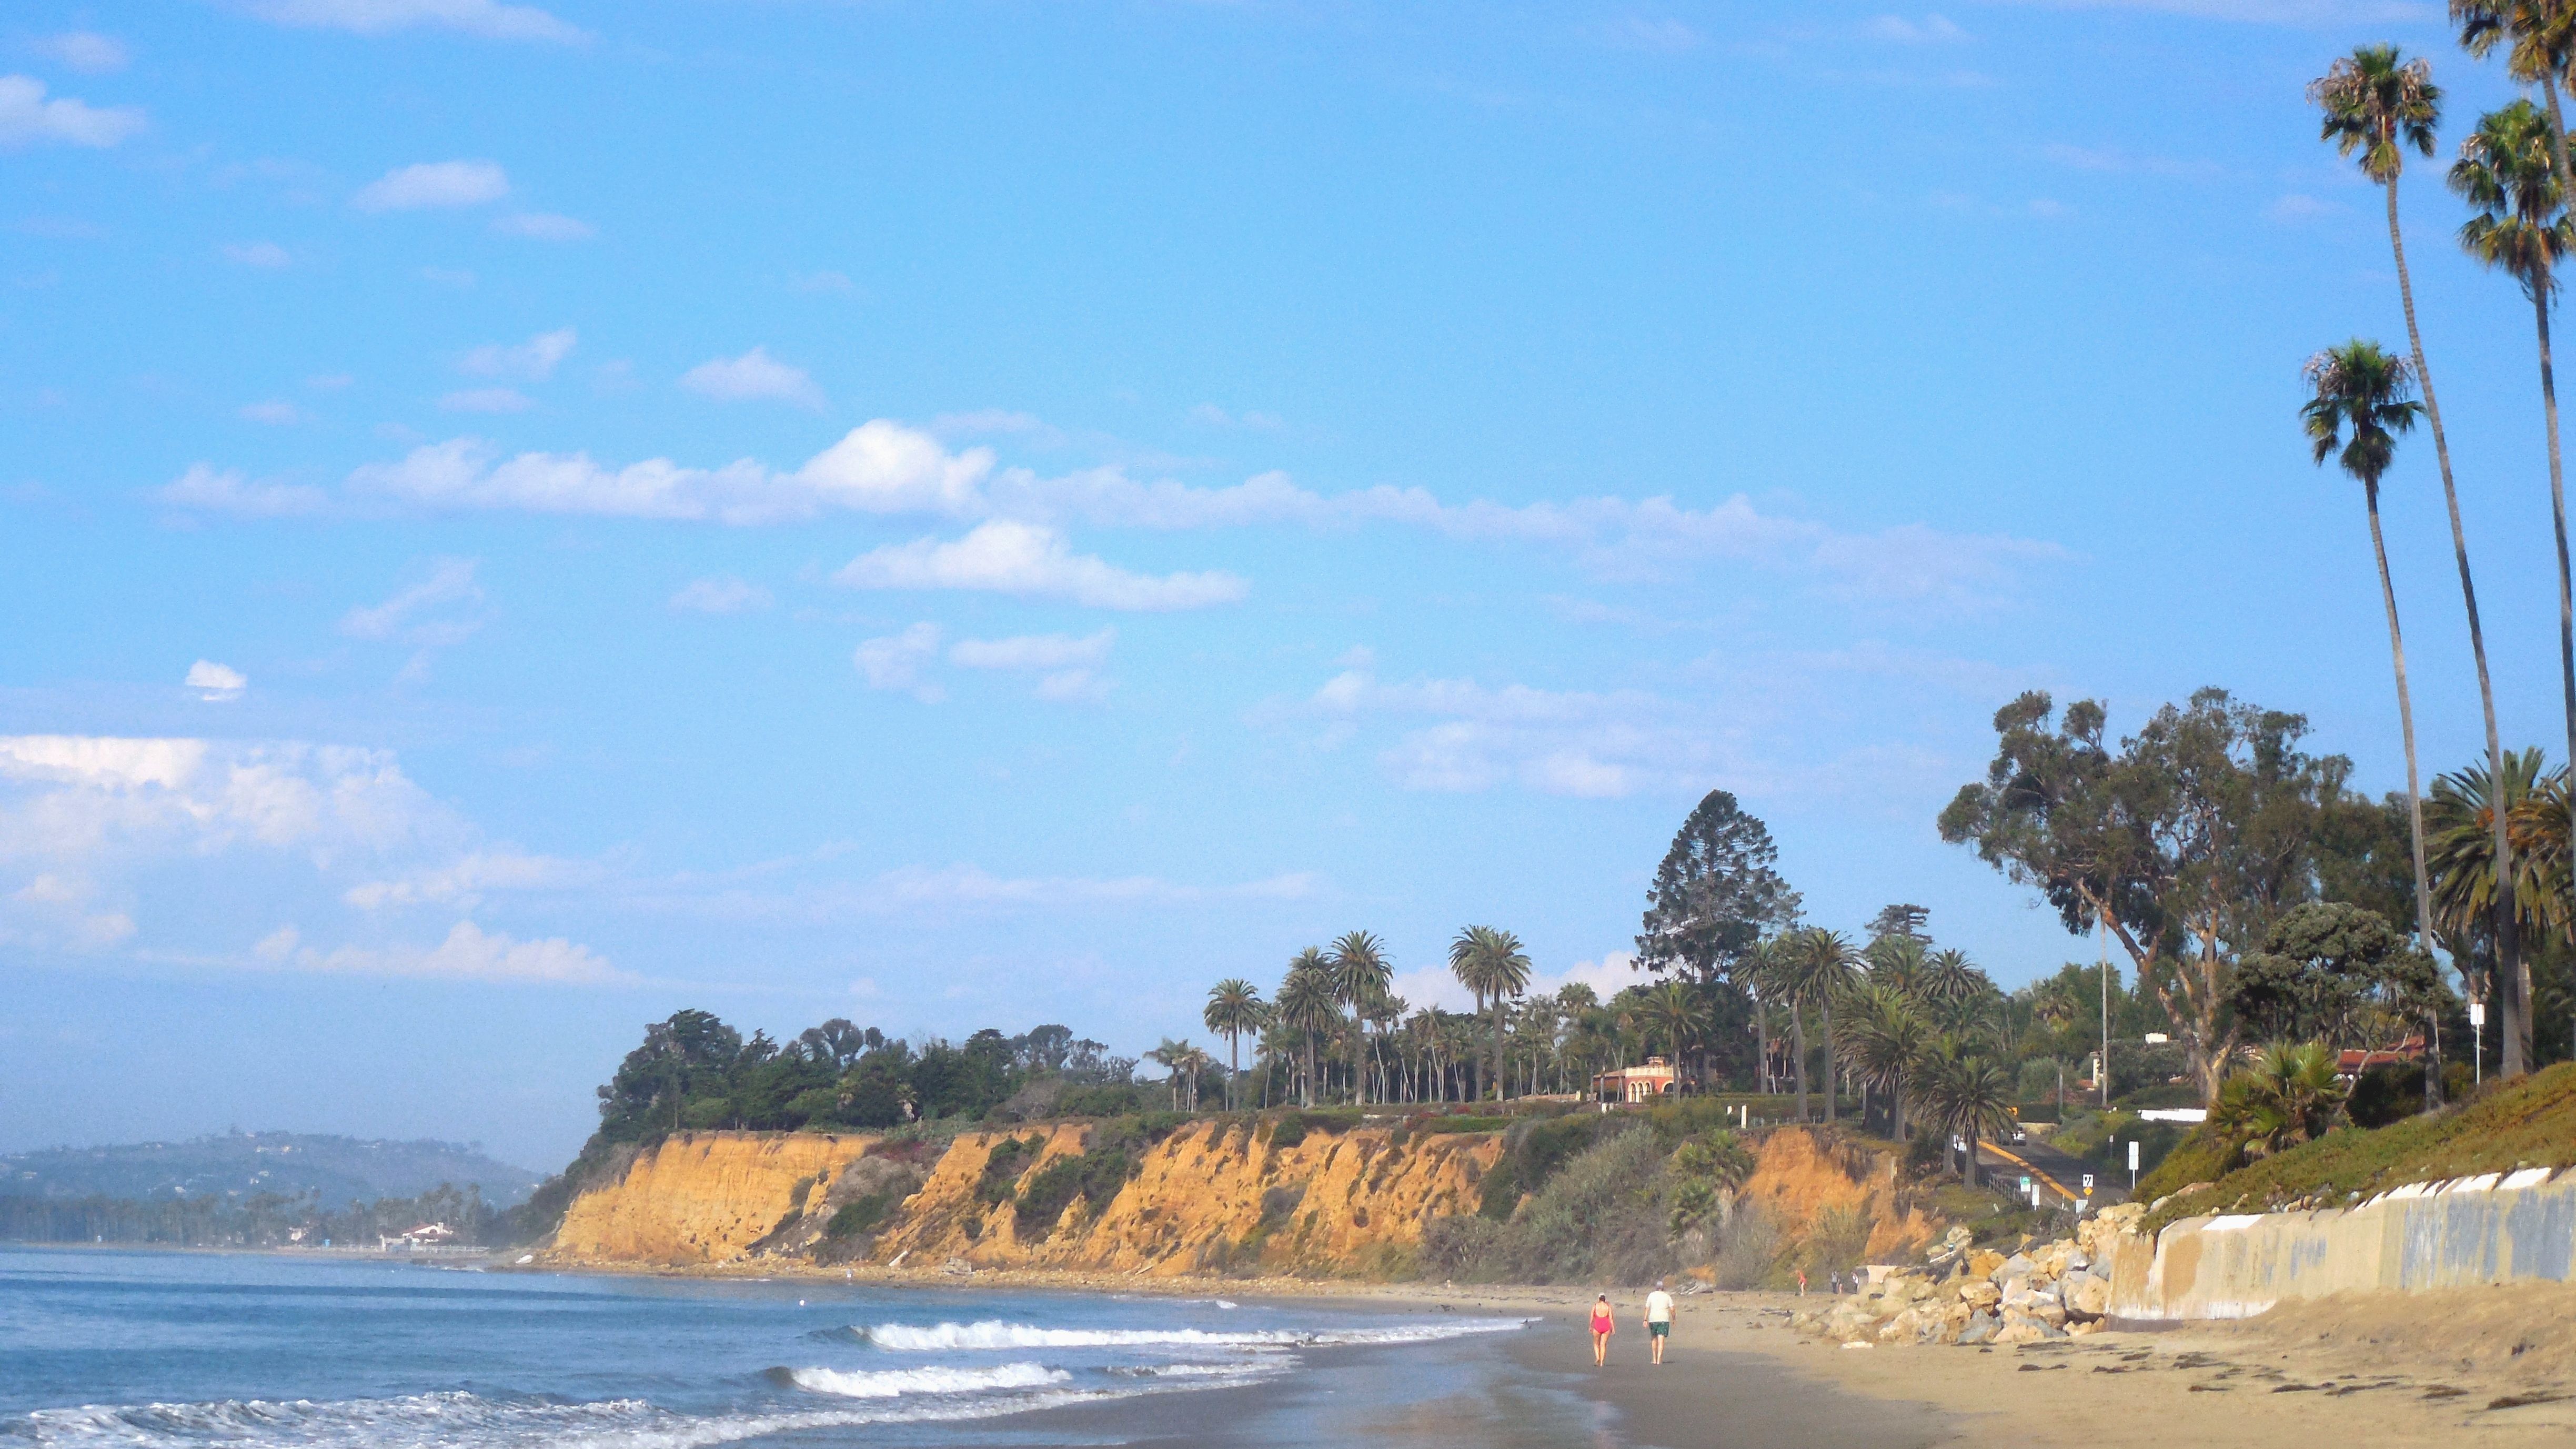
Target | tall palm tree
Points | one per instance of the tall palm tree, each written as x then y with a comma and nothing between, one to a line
1968,1094
1306,1004
1360,976
1884,1035
1828,968
1234,1006
2539,37
1493,965
2359,408
1682,1012
2379,104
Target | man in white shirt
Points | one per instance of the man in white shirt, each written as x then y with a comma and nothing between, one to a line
1659,1319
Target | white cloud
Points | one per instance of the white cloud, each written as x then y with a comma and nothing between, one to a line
885,467
86,51
216,683
1613,973
1662,37
533,360
720,594
329,381
265,254
1032,561
544,226
1592,745
53,912
1072,686
1217,417
467,879
752,377
73,798
486,400
450,581
275,413
434,184
490,19
204,489
471,954
836,284
1033,651
26,117
894,661
2269,12
945,890
1930,30
2297,207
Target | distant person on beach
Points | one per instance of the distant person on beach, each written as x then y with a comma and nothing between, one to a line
1659,1320
1802,1282
1604,1324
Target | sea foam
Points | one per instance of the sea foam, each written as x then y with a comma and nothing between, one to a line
997,1334
894,1383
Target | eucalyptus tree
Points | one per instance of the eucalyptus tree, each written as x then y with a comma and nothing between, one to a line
1494,966
2359,405
1307,1005
1360,975
2378,105
1234,1006
2539,41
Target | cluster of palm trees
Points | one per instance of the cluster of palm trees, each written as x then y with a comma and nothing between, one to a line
2513,173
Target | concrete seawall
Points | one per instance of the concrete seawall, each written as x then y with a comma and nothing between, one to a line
2494,1228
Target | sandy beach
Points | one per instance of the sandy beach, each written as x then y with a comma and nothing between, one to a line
2473,1367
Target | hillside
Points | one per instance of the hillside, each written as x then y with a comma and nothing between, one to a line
2530,1122
245,1164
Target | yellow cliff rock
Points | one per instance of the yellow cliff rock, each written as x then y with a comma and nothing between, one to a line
704,1197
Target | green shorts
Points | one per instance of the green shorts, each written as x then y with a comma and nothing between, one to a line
1660,1330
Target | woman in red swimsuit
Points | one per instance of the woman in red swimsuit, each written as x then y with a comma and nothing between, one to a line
1604,1324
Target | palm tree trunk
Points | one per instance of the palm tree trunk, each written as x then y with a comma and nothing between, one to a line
2557,493
1826,1007
1798,1040
1971,1167
1499,1087
2406,728
1761,1045
2507,926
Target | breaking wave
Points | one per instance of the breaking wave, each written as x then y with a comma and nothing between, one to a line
996,1334
894,1383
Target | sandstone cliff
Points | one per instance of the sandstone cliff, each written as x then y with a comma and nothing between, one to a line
1804,1183
1213,1196
705,1197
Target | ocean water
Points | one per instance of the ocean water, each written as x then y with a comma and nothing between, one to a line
176,1350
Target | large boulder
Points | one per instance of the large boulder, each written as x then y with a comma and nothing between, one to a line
1983,1262
1981,1327
1980,1293
2087,1297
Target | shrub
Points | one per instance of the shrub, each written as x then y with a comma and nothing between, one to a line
861,1215
1432,1126
2389,1092
1535,1150
1601,1215
1747,1246
1010,1157
1101,1101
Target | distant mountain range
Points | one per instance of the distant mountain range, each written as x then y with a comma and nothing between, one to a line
242,1164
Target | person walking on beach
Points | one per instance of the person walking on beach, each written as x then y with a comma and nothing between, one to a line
1802,1282
1604,1324
1659,1320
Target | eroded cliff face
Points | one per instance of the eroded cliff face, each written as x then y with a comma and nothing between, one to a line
1210,1197
707,1197
1799,1181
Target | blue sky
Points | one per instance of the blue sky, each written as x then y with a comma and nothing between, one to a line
519,519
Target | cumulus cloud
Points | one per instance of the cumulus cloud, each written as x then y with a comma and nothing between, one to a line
27,118
266,255
544,226
66,799
434,184
86,51
885,467
534,360
216,683
754,376
1033,561
490,19
470,953
206,489
720,594
894,661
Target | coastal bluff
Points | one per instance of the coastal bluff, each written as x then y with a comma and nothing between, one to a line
1224,1195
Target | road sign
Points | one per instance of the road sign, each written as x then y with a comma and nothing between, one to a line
2133,1156
2477,1013
2088,1183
